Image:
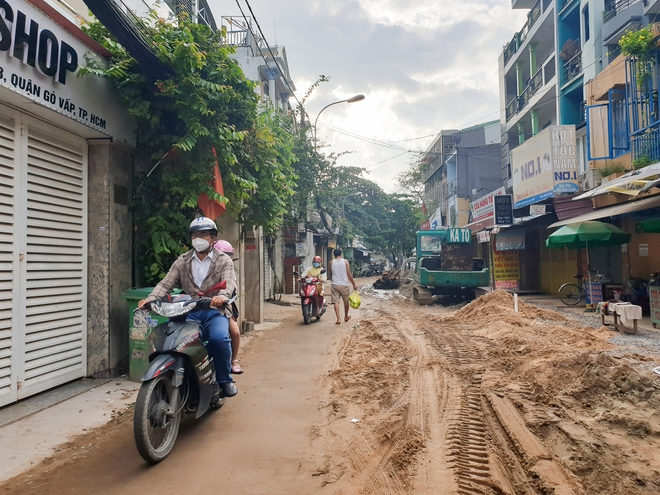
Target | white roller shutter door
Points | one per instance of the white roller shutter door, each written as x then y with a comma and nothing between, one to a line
8,258
43,262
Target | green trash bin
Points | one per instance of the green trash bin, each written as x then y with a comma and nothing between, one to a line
139,330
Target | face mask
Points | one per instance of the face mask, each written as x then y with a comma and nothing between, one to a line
200,244
316,265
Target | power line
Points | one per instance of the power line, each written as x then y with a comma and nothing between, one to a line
263,36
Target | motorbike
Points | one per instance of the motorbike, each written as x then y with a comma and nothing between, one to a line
180,378
313,303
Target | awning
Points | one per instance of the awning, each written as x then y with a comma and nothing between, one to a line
632,183
486,223
613,211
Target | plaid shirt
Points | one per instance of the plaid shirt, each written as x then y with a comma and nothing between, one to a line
180,275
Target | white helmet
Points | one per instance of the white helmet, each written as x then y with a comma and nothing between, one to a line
203,223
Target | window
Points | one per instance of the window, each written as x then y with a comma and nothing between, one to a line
585,22
608,128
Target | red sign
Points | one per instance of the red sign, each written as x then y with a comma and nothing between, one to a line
426,225
249,247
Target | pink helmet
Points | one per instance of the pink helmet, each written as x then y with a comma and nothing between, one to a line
224,247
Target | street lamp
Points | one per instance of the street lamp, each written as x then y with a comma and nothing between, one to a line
352,99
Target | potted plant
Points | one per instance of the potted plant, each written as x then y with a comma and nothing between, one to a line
639,45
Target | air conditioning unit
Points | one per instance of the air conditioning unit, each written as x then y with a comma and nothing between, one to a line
590,179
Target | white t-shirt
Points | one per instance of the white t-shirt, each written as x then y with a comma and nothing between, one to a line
339,275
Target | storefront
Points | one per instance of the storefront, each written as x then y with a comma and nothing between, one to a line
64,193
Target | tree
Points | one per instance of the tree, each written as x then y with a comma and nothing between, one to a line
204,112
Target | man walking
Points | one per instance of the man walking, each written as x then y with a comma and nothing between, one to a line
340,274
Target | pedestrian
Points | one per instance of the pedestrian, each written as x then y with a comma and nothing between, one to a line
341,277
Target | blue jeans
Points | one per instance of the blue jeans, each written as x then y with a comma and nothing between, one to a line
215,332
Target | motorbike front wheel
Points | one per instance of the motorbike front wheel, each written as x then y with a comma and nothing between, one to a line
307,313
157,418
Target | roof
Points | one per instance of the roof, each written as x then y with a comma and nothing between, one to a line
612,211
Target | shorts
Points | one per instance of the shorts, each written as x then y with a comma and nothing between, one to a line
339,293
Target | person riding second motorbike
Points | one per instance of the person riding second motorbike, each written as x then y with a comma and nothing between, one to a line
315,271
197,272
234,331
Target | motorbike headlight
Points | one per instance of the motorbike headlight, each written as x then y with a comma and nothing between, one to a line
172,309
308,280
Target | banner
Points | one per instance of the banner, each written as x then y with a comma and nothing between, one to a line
510,240
545,165
482,208
506,270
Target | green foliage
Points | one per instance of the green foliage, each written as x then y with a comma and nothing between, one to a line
637,43
614,168
206,105
641,162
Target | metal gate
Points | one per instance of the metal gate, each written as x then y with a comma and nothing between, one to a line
43,262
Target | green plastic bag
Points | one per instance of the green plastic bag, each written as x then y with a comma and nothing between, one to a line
354,300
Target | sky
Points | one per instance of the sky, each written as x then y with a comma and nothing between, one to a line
423,65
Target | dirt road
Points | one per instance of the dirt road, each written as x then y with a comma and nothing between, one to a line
402,400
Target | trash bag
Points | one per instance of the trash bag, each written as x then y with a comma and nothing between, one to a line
354,300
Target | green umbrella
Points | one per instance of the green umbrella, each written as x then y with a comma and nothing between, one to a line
651,226
589,234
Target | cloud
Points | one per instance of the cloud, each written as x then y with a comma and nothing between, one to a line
424,65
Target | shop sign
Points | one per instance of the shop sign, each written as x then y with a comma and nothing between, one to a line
483,236
537,210
300,250
459,236
503,210
483,208
545,165
506,270
39,60
654,302
509,241
643,249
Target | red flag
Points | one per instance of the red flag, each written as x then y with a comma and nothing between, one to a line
209,207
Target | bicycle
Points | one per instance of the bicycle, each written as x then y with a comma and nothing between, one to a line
572,293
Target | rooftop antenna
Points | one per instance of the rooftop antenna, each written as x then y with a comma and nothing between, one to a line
275,28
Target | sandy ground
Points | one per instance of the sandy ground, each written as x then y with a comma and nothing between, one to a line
403,399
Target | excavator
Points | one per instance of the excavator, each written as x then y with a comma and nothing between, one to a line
445,266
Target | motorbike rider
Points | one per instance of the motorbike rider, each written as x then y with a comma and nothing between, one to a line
234,331
197,272
315,271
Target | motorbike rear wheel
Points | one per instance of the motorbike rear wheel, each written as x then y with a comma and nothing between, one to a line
156,420
307,313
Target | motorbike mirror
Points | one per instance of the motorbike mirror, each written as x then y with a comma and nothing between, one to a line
296,274
322,271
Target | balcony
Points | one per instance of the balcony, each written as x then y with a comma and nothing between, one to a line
532,88
518,38
647,145
582,121
613,8
573,66
562,4
512,108
452,188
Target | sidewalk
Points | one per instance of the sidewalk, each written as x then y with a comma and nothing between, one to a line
28,441
555,303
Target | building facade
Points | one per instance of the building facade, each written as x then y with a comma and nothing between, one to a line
64,259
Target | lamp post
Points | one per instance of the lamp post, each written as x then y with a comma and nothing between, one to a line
352,99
